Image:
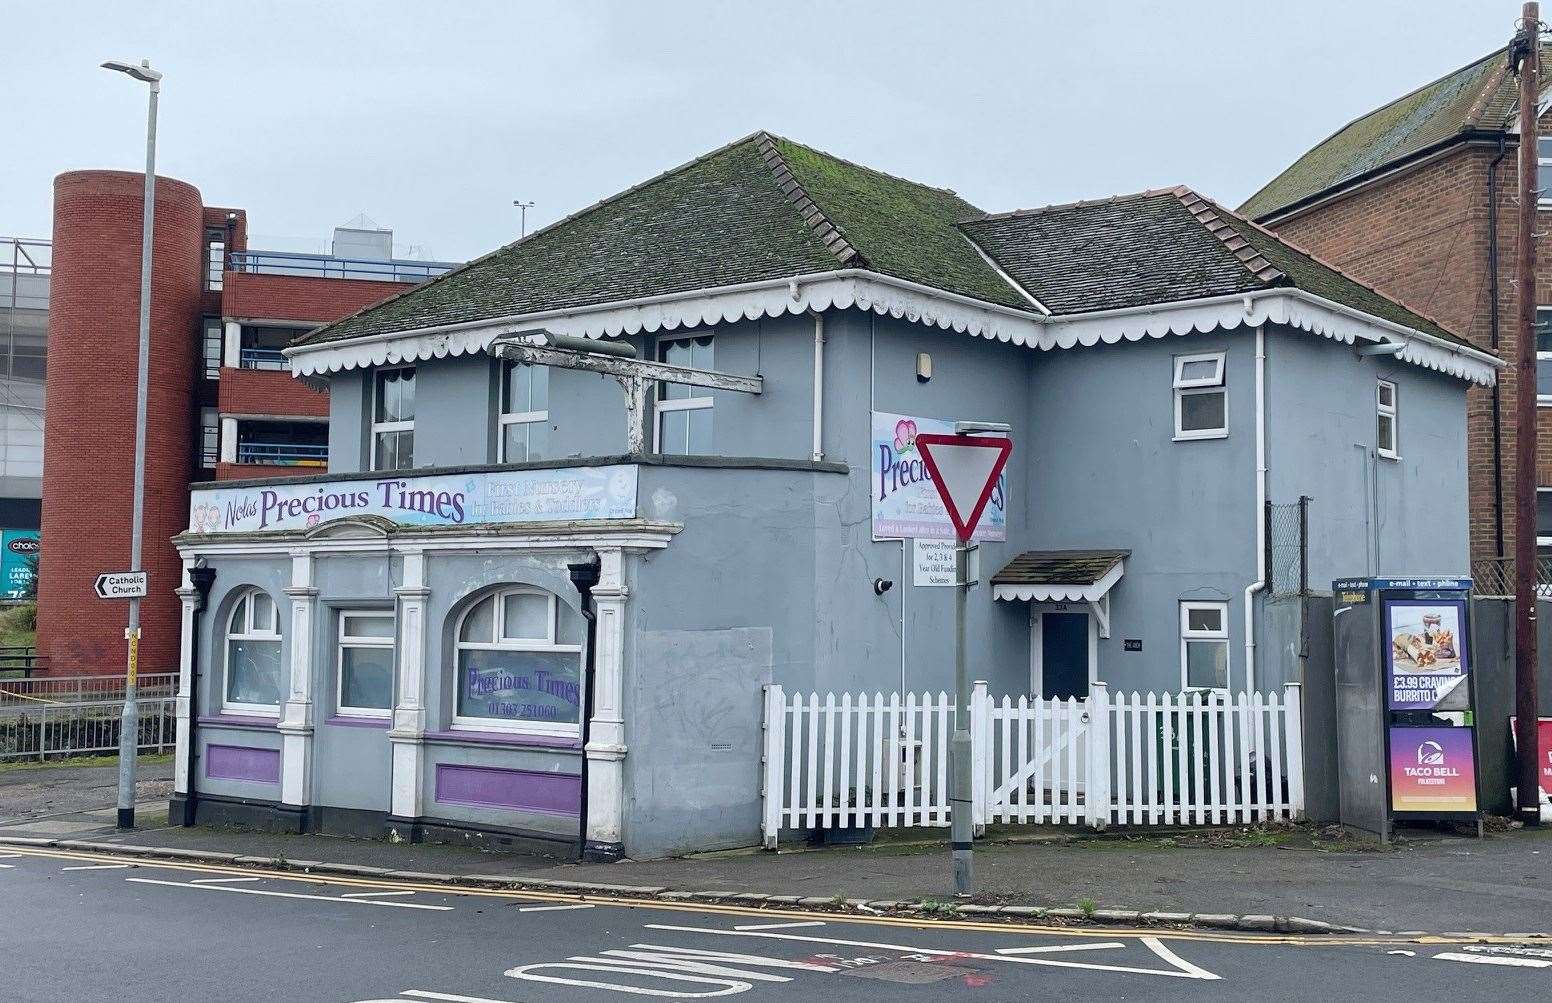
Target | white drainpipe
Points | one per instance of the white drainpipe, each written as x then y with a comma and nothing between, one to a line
819,340
1256,586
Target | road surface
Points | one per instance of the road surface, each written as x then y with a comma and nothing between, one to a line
80,926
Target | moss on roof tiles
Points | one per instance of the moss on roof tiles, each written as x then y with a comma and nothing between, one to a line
1447,107
1319,279
901,228
716,221
719,220
1128,251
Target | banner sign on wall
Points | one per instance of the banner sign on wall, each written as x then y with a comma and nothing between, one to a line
1432,770
503,496
18,562
1427,659
905,503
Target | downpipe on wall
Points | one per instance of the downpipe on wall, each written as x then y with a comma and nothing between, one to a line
819,343
202,577
585,575
1256,586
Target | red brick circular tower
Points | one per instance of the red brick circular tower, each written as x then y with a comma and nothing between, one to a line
89,415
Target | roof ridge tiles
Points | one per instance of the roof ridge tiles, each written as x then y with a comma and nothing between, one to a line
1079,204
814,217
1321,261
860,167
1485,95
1206,213
310,335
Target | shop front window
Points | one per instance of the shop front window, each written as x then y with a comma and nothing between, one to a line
519,664
365,663
253,655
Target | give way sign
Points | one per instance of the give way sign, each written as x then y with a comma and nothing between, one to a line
964,469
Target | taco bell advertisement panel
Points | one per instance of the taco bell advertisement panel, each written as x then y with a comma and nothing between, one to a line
1432,770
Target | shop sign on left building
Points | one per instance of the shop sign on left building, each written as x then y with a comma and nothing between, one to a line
505,496
18,562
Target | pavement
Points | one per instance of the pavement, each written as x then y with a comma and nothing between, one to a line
1233,878
245,933
35,794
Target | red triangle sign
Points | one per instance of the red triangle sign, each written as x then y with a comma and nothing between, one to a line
964,469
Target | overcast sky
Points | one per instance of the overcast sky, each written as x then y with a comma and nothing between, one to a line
433,116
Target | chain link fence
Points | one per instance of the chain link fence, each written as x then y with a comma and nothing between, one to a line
1287,548
1493,578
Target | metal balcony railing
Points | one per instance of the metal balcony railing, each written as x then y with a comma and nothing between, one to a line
25,268
283,454
262,358
328,266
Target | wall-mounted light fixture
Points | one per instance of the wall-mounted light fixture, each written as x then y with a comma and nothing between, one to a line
923,367
882,585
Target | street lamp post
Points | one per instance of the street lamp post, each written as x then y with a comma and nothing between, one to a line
129,724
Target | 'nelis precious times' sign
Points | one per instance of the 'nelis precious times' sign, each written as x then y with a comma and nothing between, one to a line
503,496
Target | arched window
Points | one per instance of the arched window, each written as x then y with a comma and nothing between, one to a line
519,664
253,654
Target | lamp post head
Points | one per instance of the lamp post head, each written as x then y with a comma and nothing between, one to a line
141,72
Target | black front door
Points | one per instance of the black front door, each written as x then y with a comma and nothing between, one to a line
1064,655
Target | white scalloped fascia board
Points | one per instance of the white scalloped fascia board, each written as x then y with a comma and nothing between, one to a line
1074,592
898,298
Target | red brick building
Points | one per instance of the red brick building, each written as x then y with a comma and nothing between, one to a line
1418,198
221,400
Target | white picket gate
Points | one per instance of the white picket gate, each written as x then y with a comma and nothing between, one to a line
1132,759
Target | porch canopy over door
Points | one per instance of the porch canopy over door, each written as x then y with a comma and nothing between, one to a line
1064,576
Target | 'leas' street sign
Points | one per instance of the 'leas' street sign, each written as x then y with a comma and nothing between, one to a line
964,469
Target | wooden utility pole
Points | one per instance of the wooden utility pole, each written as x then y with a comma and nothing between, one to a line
1527,49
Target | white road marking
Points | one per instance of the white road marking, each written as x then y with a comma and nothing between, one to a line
8,867
98,867
1494,959
373,895
289,895
1184,969
725,972
1058,948
776,926
221,881
554,908
426,994
10,856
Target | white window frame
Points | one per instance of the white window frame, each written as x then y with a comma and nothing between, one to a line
362,641
384,427
517,417
463,722
1543,358
1391,411
250,633
1187,607
661,406
1543,159
1190,387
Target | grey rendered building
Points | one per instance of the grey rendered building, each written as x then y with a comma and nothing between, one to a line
399,644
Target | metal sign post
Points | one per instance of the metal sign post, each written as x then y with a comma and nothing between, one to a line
964,469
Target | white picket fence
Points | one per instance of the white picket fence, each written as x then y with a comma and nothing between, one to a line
858,760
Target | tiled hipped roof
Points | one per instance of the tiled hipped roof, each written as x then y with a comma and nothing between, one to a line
1475,99
765,208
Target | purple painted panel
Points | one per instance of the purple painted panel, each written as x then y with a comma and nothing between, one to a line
235,762
521,790
502,738
240,721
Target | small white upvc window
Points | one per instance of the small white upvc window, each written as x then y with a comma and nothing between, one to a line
1204,645
1386,406
1544,171
393,419
525,413
684,413
1544,353
1201,397
364,670
253,671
